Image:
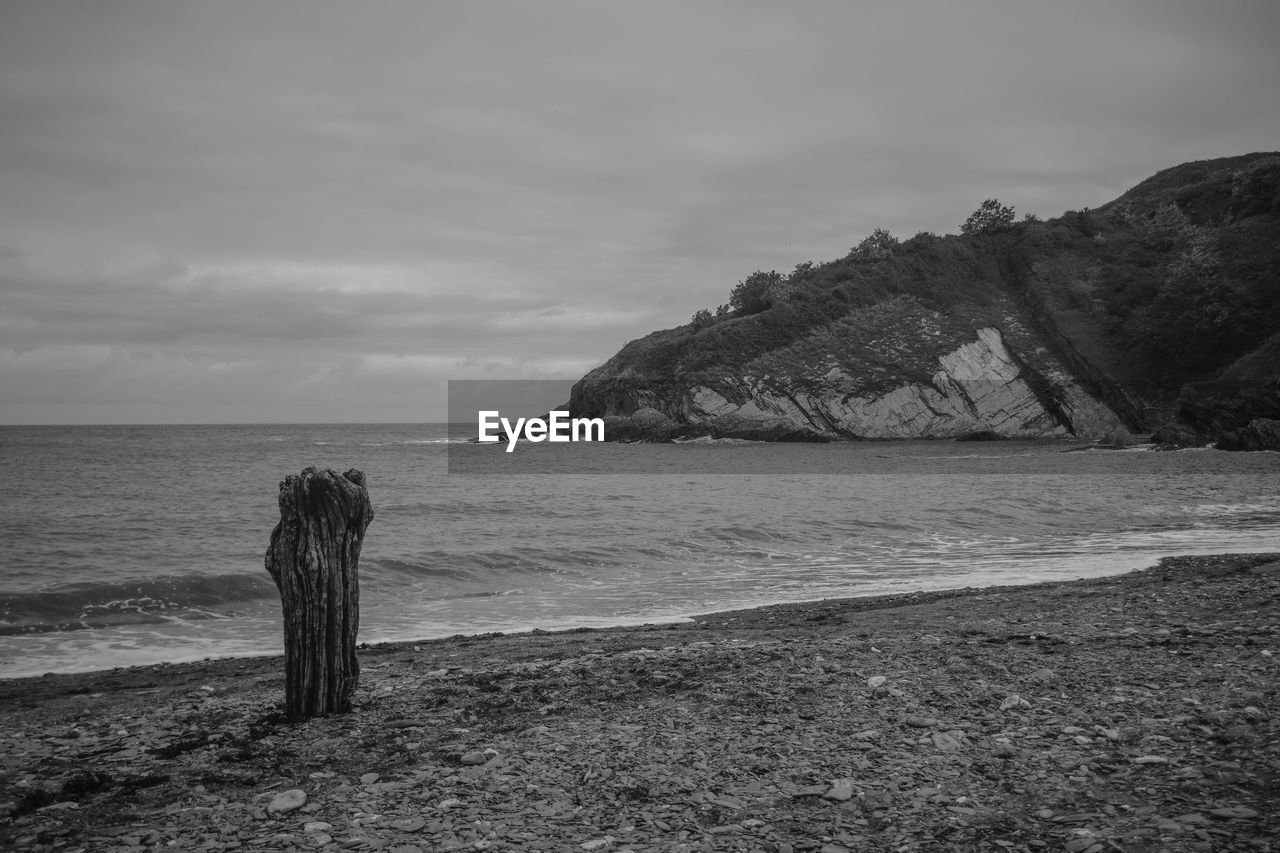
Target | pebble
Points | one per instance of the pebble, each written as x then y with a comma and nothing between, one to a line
1229,812
474,758
1043,675
840,790
946,742
811,791
317,826
921,722
1151,759
597,843
368,778
876,681
1013,700
287,801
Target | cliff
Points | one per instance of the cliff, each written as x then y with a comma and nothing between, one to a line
1159,310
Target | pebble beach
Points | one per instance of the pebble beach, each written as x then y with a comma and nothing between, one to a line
1134,713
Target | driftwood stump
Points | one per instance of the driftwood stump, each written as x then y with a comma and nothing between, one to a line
314,559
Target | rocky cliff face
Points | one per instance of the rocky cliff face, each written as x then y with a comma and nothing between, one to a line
951,388
1075,327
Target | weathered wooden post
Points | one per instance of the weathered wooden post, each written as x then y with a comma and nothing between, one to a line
314,558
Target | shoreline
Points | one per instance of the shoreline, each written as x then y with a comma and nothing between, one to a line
623,623
1120,567
1131,709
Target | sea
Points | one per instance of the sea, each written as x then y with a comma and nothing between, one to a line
128,545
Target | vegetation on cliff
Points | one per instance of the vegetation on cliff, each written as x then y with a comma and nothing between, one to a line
1161,303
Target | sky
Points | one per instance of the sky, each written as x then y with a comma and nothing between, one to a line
269,211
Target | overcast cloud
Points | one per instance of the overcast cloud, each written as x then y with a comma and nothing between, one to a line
321,211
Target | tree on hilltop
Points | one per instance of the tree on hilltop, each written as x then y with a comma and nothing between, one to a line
877,246
756,292
990,216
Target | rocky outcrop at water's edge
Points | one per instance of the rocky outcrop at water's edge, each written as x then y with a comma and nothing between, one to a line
978,387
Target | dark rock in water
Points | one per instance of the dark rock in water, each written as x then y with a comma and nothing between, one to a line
1174,435
646,425
656,425
685,432
652,426
620,428
980,435
1260,434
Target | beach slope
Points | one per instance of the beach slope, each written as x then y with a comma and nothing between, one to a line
1134,713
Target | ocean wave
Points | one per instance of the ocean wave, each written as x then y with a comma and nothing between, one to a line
97,605
1268,510
444,569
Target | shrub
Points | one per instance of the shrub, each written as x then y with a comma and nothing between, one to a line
878,246
701,318
755,293
990,216
782,290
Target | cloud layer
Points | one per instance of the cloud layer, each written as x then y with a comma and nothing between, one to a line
269,211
